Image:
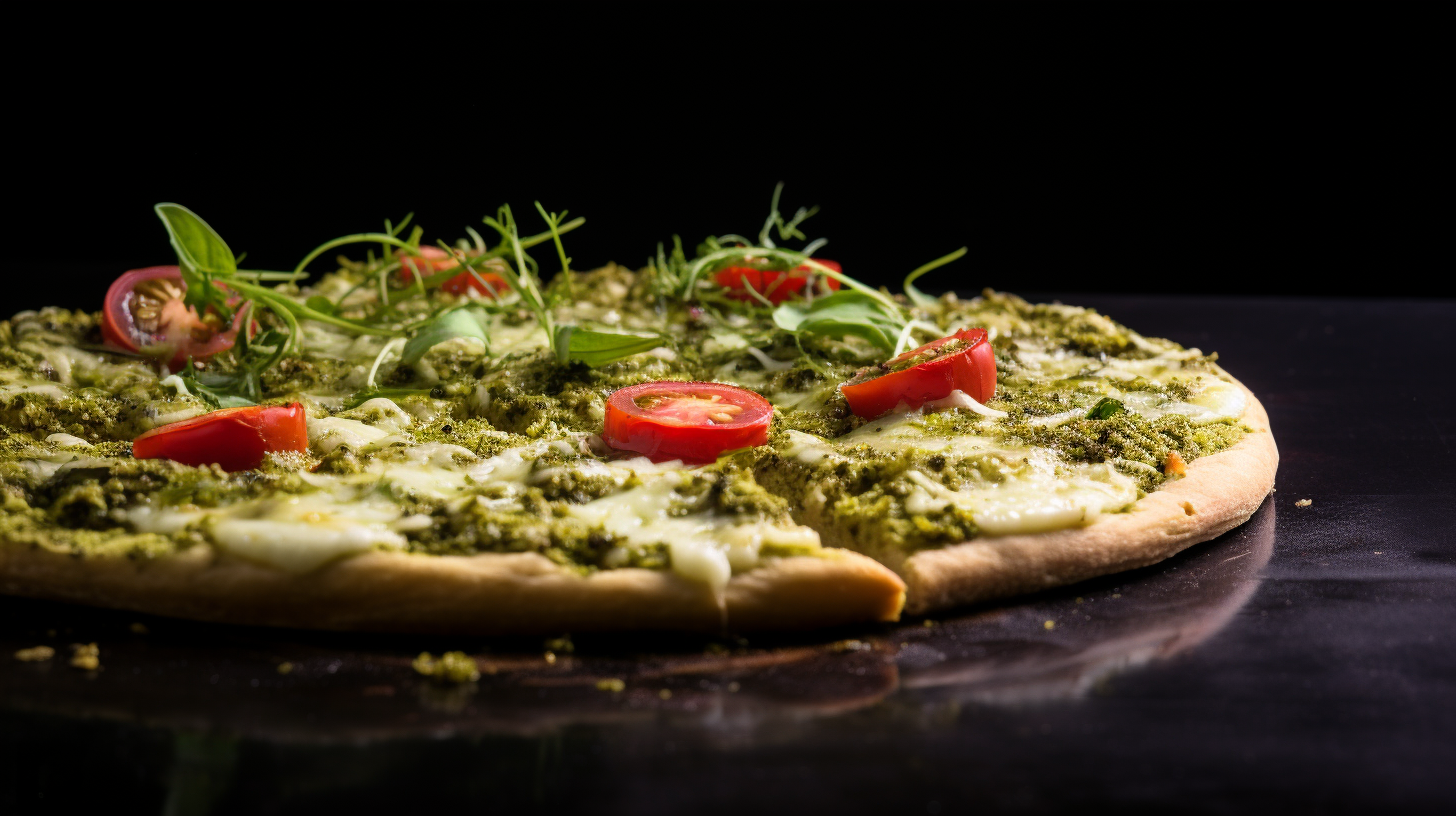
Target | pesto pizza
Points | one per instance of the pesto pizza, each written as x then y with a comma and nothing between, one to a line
447,439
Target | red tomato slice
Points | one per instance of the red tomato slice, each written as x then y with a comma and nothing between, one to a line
692,421
438,260
233,438
144,312
465,281
970,368
772,284
428,262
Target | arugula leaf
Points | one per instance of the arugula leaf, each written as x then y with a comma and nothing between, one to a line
561,341
597,348
321,304
841,314
467,322
224,390
198,245
918,297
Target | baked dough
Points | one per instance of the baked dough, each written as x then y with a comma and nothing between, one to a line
485,594
1219,492
525,593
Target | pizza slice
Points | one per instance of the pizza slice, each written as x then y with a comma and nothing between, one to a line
433,439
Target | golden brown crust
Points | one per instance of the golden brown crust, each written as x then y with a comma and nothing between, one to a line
520,593
1219,493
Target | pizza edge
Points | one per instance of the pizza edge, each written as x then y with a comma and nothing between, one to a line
483,594
1219,492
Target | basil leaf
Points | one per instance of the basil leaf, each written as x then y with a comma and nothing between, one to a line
467,322
199,247
842,314
599,348
1106,408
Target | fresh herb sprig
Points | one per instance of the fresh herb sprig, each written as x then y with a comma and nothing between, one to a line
569,342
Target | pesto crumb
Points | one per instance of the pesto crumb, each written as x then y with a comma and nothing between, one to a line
665,694
733,687
86,656
612,684
285,667
850,646
1304,503
456,667
561,645
1050,624
35,654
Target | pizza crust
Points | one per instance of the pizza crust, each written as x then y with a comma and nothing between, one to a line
1219,492
525,593
487,594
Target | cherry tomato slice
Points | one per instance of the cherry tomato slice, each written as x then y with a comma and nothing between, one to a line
692,421
772,284
970,367
144,312
233,438
436,260
430,261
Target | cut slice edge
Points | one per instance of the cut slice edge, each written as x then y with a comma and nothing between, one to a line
485,594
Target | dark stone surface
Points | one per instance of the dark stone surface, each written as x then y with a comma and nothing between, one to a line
1304,663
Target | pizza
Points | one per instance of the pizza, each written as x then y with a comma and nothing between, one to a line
448,439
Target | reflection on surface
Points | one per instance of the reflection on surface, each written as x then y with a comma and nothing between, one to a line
195,678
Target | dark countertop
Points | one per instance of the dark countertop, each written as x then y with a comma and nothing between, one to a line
1305,662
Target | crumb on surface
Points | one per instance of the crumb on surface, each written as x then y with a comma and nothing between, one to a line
850,646
550,658
285,667
1051,624
1304,502
733,687
927,623
612,684
455,667
86,656
665,694
561,645
35,654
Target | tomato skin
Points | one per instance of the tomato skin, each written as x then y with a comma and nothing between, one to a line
119,328
437,260
234,438
772,284
430,261
660,436
972,370
464,282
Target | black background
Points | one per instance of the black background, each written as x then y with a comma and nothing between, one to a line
1201,148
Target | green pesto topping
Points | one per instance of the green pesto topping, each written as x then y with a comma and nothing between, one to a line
1101,401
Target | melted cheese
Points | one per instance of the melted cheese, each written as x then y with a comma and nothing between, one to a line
703,547
1037,492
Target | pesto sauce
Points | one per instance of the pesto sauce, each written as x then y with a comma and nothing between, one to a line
519,395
